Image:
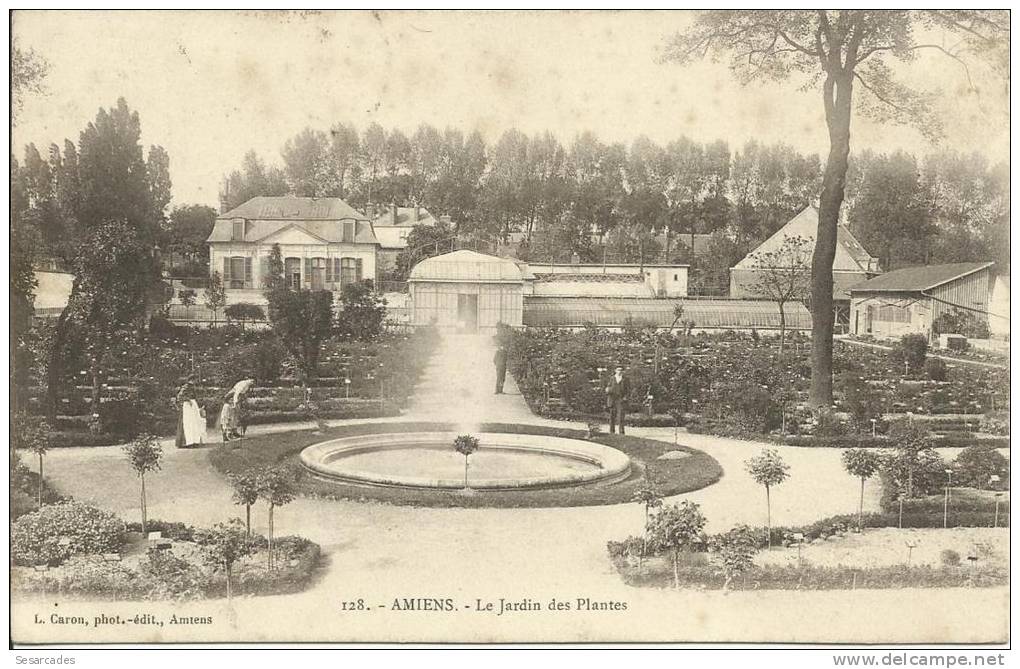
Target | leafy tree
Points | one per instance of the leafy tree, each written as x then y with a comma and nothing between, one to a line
225,544
28,69
676,528
244,311
650,500
912,350
976,465
767,469
782,276
841,49
215,294
190,225
302,320
861,401
276,488
246,492
734,551
465,444
303,158
252,180
913,451
33,434
187,298
362,311
862,463
144,454
423,241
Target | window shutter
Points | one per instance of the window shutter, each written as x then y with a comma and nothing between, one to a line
329,270
263,271
247,272
308,270
336,270
357,269
226,270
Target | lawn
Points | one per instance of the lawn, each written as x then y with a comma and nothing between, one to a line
668,476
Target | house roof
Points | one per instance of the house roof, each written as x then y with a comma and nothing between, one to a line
319,217
405,217
289,208
701,243
617,311
850,253
922,277
467,266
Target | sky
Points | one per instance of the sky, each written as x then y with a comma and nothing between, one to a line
209,86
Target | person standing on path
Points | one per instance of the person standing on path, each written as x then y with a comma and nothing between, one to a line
500,361
616,399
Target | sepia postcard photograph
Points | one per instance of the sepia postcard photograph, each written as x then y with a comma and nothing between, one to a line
510,327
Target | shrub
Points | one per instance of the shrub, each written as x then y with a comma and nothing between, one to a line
56,532
120,417
935,369
950,558
171,577
912,349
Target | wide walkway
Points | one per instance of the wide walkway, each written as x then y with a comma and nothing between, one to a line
379,553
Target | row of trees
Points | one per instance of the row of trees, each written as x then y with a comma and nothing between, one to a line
944,208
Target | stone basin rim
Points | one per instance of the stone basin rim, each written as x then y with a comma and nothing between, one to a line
612,464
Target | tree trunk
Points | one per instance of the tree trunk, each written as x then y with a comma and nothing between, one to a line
465,471
768,518
145,533
247,519
676,568
860,510
96,387
782,328
40,478
838,90
270,537
228,584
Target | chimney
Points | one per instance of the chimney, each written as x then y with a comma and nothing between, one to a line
393,214
370,211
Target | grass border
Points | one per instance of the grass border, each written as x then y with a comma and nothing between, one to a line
667,476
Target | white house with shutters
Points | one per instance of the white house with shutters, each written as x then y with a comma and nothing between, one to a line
325,244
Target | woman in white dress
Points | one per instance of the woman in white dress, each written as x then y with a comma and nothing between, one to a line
190,423
230,423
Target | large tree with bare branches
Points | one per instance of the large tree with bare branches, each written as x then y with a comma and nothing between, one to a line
842,49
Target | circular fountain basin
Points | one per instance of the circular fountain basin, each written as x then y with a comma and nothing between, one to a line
502,461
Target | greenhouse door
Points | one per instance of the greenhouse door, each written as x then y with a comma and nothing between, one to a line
467,312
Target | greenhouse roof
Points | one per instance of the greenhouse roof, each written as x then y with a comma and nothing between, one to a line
616,312
467,266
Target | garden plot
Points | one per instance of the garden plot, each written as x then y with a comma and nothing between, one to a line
885,547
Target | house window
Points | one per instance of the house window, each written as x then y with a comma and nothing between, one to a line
318,274
237,233
237,272
350,270
292,271
348,231
893,314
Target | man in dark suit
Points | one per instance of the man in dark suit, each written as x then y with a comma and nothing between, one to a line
616,399
500,361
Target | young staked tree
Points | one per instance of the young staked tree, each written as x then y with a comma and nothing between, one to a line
862,463
465,444
276,488
912,440
144,454
676,528
767,469
734,551
783,275
842,50
33,434
246,492
225,544
650,500
215,295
